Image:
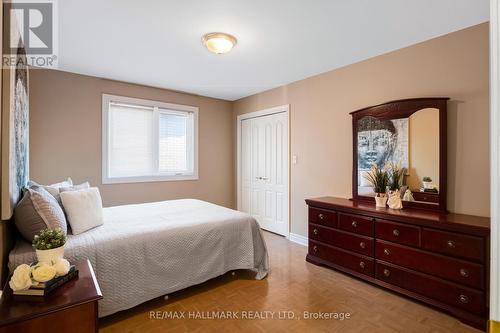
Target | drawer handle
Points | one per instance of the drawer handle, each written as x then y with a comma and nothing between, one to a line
395,232
315,248
321,216
354,224
387,252
362,264
362,245
451,244
464,273
315,231
464,299
387,272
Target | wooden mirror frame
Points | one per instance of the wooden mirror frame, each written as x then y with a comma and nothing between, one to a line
404,108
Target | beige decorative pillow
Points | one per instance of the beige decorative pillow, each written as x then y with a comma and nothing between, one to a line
69,188
83,208
36,211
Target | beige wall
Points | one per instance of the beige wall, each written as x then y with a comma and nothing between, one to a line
455,65
65,138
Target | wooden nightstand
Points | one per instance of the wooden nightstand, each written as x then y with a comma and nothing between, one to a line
70,308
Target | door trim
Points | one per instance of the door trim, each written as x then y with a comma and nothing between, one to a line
266,112
495,159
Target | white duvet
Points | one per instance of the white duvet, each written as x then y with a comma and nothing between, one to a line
148,250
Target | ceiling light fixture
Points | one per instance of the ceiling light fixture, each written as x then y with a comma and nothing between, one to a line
219,42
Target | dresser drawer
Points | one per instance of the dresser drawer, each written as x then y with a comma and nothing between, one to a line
322,216
447,292
322,234
454,244
397,232
345,240
352,261
426,197
461,271
355,223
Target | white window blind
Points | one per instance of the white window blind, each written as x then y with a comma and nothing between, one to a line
131,141
148,141
174,141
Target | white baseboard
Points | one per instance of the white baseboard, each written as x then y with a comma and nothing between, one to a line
299,239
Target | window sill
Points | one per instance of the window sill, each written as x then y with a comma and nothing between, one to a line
148,179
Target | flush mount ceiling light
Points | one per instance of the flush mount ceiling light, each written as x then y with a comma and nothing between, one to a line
219,42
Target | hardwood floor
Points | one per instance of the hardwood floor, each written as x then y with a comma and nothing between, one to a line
292,285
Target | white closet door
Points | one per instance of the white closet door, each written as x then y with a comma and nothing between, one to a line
264,170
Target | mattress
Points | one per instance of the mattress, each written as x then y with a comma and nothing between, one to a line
148,250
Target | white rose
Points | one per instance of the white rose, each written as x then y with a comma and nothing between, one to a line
21,279
43,272
62,267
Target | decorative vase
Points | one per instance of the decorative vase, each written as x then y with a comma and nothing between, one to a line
380,200
50,256
395,201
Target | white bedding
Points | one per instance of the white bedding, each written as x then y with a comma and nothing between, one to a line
148,250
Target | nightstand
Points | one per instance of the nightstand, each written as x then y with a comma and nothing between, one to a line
70,308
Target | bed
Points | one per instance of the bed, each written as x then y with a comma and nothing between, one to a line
148,250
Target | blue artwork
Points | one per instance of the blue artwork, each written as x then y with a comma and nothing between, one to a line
18,131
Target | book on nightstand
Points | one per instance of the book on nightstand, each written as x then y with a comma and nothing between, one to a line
43,288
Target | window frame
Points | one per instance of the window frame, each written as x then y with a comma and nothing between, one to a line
106,179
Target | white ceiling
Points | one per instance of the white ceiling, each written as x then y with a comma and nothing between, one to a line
158,43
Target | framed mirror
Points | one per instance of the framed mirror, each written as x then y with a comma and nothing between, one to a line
410,133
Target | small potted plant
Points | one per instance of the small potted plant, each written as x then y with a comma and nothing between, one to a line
427,182
49,245
379,179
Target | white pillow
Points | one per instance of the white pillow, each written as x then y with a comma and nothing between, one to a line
65,183
83,209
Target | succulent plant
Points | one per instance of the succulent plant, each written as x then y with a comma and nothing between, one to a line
49,239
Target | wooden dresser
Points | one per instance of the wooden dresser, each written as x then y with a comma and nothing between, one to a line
438,259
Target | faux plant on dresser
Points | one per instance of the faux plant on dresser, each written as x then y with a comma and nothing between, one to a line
416,248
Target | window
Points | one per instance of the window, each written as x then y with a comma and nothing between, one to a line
148,141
